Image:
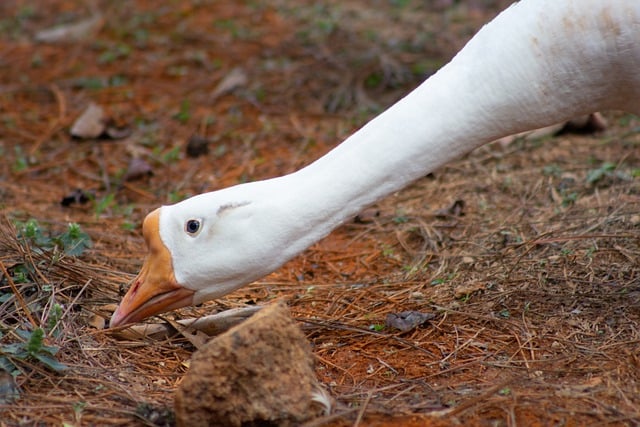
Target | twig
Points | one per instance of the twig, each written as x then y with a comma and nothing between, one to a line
197,338
465,344
62,112
211,325
363,409
70,306
449,412
318,422
21,300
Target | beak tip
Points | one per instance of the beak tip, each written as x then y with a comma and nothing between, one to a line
116,318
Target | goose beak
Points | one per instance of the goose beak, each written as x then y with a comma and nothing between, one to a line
155,289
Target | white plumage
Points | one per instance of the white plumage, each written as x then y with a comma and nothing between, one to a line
538,63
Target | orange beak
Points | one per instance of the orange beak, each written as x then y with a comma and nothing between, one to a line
155,289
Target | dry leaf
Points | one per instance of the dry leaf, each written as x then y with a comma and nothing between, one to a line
73,32
467,289
211,325
407,320
367,216
9,390
97,322
456,209
138,168
90,124
236,78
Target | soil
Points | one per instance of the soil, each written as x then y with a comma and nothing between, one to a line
261,372
522,256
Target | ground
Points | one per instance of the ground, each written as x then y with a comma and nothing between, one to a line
525,253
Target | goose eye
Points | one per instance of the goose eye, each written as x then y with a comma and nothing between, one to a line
192,226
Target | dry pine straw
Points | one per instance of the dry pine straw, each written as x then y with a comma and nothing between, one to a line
536,303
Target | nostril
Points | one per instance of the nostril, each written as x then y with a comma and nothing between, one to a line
135,287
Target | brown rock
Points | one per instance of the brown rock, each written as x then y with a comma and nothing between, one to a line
260,372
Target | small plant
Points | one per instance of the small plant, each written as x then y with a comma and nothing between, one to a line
606,170
129,226
401,4
30,347
443,280
21,162
114,53
373,80
400,219
72,242
504,313
596,175
91,83
31,232
55,315
24,343
552,170
506,391
184,114
566,252
376,327
232,27
387,251
569,199
100,206
176,196
172,156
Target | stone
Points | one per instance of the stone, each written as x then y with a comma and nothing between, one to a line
259,373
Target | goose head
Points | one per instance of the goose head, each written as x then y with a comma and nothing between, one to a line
203,248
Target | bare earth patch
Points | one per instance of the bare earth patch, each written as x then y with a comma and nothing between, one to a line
524,257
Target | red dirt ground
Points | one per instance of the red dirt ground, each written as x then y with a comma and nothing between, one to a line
533,279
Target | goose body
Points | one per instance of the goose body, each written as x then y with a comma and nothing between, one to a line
538,63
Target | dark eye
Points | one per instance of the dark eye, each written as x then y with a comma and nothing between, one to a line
192,226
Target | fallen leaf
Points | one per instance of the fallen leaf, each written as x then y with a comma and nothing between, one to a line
407,320
138,168
197,338
211,325
90,124
366,216
233,80
8,388
115,132
467,289
97,322
72,32
456,209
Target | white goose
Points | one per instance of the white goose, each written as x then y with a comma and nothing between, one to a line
538,63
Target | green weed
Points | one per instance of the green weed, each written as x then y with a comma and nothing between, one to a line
72,242
29,347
